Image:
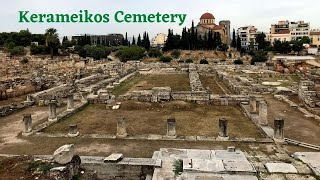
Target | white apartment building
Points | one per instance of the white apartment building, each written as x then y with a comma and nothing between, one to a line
299,30
248,35
288,30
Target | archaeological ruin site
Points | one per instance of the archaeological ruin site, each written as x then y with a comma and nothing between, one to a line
106,119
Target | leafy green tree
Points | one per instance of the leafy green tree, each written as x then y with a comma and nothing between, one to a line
130,53
261,41
259,57
52,40
305,40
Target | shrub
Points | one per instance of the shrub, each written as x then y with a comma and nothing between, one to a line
176,54
41,49
130,53
154,52
181,61
18,50
96,52
259,57
165,59
177,167
24,60
238,61
204,61
189,61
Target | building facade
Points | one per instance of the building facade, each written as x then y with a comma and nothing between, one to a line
159,40
248,35
315,37
109,40
208,22
289,30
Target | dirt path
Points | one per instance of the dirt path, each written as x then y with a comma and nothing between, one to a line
297,126
12,125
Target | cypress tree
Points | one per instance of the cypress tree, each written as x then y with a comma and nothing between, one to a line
139,40
238,43
133,41
234,41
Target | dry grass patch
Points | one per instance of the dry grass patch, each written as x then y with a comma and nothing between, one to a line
147,118
177,82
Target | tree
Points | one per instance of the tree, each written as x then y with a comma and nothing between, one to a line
305,40
133,41
52,40
297,46
234,41
259,57
261,40
238,43
139,43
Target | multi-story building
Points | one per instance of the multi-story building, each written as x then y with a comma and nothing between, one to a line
248,35
315,37
288,30
110,39
299,30
159,40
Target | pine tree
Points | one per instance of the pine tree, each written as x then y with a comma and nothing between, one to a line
133,41
234,41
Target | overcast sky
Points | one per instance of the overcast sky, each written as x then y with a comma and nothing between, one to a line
260,13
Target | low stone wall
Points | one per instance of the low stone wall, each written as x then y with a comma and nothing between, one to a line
7,110
127,168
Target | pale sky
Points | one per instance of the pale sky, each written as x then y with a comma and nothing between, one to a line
260,13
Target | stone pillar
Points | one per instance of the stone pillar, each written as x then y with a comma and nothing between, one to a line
253,104
278,129
52,110
263,113
121,128
73,130
171,127
27,120
70,102
223,126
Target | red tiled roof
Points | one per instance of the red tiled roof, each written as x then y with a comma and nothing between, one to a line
207,16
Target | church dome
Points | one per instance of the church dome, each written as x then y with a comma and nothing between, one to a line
207,16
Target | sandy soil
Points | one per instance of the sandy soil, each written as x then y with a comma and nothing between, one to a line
297,126
12,125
